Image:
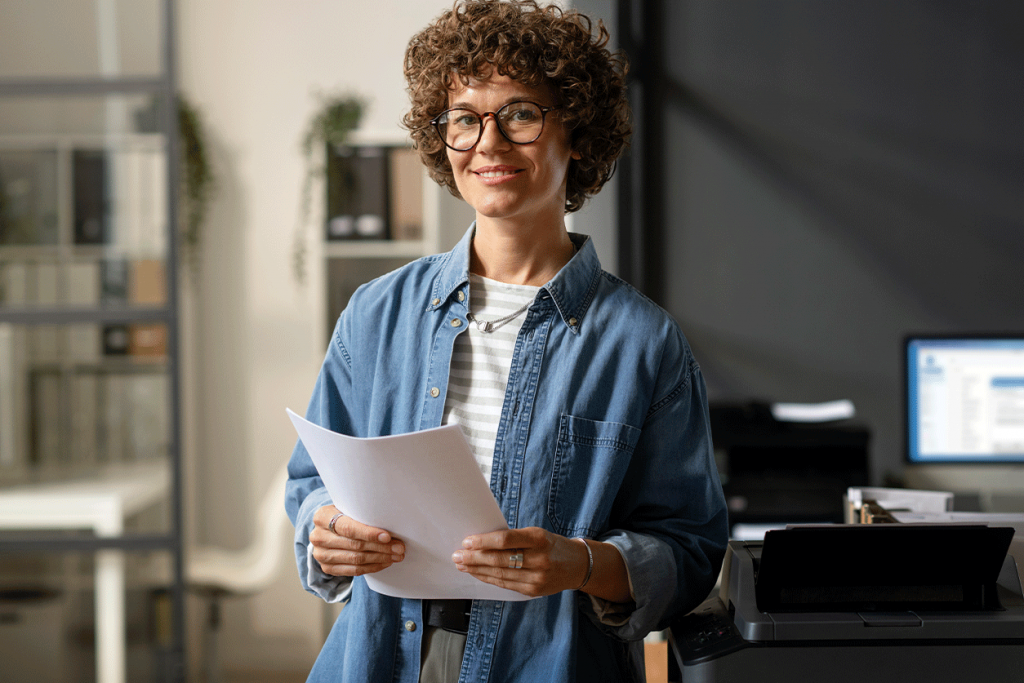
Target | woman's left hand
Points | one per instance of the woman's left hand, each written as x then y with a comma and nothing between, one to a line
551,563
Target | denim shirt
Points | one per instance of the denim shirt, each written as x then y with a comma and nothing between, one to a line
604,434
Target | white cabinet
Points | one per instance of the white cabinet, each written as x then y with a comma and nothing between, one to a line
419,216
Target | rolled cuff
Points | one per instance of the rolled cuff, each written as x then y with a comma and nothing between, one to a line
651,567
327,587
614,613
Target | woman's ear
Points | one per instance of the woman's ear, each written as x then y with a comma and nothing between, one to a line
575,155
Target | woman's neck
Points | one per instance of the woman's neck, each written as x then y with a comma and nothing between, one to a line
519,255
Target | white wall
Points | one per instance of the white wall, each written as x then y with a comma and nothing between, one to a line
253,334
252,68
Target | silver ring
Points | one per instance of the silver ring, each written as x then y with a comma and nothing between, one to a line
515,561
334,519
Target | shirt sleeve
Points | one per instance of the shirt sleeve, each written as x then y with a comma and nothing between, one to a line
305,492
329,588
613,613
670,520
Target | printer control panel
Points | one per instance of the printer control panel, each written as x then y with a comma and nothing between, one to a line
707,632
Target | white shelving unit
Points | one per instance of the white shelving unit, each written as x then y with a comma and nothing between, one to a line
351,262
103,83
47,421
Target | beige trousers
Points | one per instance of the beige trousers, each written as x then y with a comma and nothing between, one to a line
441,658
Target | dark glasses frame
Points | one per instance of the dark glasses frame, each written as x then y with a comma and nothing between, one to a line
436,123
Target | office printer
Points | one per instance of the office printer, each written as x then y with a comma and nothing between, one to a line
881,603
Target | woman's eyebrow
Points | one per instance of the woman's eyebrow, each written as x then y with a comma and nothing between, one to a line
511,100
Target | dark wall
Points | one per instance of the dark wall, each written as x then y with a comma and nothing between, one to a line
815,179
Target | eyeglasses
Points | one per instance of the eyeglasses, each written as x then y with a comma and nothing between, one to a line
520,122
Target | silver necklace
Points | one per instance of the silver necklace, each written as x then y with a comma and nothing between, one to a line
492,325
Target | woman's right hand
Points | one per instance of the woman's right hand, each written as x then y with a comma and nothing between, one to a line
352,549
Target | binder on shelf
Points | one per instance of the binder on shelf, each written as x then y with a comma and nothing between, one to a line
147,283
28,197
113,281
15,290
147,341
47,284
46,344
406,194
148,425
46,425
116,340
357,192
84,417
83,284
84,344
113,413
92,214
8,416
139,205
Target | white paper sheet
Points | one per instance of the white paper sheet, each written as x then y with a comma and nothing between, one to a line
426,489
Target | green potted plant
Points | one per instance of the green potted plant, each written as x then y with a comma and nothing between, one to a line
336,117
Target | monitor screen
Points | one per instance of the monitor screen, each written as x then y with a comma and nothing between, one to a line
965,399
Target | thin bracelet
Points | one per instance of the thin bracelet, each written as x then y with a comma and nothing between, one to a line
590,567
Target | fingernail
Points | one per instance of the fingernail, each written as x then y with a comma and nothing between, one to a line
467,543
383,537
397,548
396,558
457,557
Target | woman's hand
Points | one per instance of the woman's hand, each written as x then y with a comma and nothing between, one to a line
352,549
551,563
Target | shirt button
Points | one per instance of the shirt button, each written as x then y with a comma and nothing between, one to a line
572,322
410,625
436,301
435,392
462,296
456,323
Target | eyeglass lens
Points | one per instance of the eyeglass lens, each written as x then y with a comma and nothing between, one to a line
520,122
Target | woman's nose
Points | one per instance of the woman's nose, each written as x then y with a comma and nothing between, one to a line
491,137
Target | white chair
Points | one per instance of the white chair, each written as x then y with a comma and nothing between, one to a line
216,573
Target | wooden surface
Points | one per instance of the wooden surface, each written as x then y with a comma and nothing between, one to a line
656,660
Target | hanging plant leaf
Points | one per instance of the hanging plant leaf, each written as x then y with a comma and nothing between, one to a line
197,181
337,116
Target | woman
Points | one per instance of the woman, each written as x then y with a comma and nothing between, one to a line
580,398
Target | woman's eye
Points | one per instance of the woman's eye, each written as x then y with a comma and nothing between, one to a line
521,115
465,120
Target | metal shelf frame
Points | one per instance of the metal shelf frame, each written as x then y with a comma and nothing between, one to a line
163,86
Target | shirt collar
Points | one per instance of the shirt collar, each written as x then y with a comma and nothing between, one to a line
571,289
454,271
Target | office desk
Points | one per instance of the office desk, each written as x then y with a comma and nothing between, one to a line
101,504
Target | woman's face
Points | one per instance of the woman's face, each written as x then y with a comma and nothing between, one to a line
503,181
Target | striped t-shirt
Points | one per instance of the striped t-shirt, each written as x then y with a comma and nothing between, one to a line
481,362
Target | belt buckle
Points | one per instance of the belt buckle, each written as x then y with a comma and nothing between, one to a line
449,615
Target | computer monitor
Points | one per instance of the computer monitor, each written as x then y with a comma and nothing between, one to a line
964,399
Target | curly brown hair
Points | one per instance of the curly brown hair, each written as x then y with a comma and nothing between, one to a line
533,45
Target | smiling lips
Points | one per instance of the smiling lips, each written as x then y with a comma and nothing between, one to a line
497,174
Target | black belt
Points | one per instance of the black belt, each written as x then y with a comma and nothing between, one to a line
451,615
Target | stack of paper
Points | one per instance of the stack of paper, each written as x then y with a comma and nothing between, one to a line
426,489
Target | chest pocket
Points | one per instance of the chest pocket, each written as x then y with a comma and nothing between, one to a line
590,461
